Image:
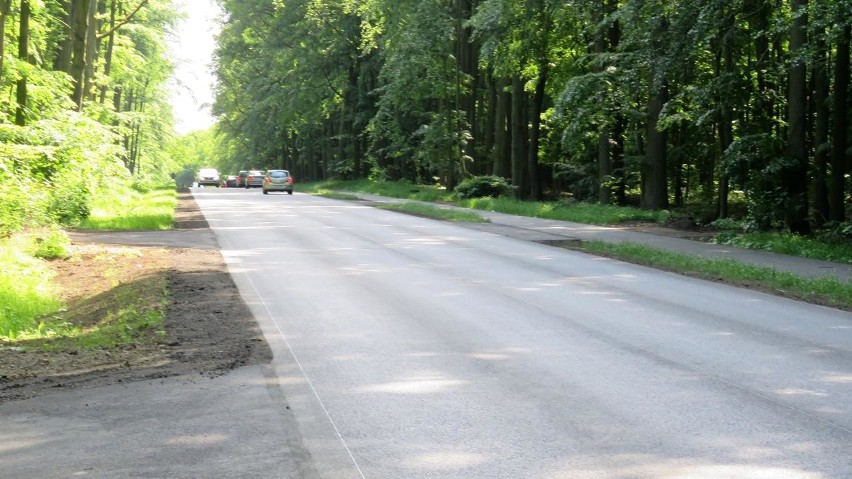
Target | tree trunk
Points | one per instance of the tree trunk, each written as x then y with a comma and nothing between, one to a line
520,137
92,47
23,55
62,62
618,165
502,138
796,179
5,6
535,132
655,179
726,115
109,50
821,111
80,30
840,138
604,161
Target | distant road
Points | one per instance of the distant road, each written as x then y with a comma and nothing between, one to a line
411,348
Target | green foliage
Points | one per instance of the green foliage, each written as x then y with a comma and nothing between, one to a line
26,294
51,244
482,186
755,163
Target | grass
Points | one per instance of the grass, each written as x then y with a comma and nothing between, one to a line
787,243
30,307
575,211
436,212
826,291
26,292
124,208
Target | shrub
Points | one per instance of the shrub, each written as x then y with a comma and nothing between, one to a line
484,186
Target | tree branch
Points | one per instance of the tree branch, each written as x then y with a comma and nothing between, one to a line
124,21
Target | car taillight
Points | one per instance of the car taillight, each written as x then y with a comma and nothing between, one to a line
267,180
289,179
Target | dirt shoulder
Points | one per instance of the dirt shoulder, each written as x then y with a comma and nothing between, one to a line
208,331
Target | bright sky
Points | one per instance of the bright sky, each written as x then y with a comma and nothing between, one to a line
191,87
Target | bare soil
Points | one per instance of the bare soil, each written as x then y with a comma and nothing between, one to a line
208,331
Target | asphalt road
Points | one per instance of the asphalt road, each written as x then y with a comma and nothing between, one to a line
410,348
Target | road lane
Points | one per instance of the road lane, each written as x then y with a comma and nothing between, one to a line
414,348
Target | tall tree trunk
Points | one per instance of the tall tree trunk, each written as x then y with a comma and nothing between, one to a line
535,132
109,49
726,115
821,110
92,47
80,31
655,179
604,161
62,62
618,164
796,179
5,6
840,138
654,172
520,137
23,55
502,137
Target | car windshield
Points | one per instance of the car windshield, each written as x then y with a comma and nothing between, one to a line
278,174
255,173
208,172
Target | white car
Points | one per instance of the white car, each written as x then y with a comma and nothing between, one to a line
208,176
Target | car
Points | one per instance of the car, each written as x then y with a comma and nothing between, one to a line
241,178
207,176
231,181
253,178
278,180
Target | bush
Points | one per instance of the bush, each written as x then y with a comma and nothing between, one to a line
484,186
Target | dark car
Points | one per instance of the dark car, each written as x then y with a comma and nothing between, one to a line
254,178
231,181
277,180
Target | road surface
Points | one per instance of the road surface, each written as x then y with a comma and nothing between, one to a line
411,348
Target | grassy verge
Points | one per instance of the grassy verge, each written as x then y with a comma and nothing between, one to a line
436,212
26,291
557,210
786,243
824,291
31,310
126,208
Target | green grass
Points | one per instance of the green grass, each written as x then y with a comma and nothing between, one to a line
787,243
335,195
124,208
826,291
557,210
575,211
391,189
26,294
436,212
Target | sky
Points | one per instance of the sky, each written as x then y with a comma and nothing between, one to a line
191,86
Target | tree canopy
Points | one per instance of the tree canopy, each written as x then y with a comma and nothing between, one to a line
656,104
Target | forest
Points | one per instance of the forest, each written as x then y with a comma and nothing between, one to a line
84,107
730,107
724,108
